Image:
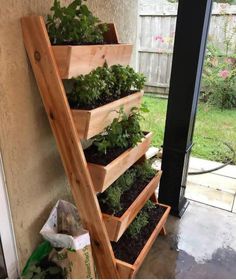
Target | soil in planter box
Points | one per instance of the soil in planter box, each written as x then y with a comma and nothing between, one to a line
127,249
93,156
127,198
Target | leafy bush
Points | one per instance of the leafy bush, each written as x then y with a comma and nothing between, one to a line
74,24
103,85
112,196
219,79
141,220
124,132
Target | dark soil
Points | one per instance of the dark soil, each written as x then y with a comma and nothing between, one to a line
127,198
128,249
76,43
100,102
94,156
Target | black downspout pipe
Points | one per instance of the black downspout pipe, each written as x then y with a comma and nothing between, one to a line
189,50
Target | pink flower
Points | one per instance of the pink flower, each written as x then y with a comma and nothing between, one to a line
224,74
159,38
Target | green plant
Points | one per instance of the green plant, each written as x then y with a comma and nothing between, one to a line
104,85
39,271
74,24
124,132
126,79
112,196
86,90
145,171
141,220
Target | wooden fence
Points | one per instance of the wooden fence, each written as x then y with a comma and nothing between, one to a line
156,31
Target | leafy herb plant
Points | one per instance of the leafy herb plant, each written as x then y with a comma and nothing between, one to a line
104,85
74,24
112,197
124,132
140,221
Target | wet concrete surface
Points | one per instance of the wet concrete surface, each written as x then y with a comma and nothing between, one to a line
200,245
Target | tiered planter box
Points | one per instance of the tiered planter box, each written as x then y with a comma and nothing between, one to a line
76,60
104,176
92,122
127,270
117,225
51,64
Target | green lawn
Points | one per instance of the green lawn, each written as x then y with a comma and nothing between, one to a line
213,127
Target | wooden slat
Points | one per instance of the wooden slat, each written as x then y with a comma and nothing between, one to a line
111,36
153,50
116,226
92,122
54,98
73,61
104,176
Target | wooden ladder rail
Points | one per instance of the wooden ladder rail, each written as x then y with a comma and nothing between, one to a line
53,94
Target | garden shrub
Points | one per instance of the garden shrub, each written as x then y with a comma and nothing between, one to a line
219,80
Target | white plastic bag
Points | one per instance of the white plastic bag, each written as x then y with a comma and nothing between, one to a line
64,230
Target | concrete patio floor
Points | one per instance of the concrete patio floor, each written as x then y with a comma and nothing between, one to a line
200,245
217,188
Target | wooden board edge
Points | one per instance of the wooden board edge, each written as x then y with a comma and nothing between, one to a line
120,224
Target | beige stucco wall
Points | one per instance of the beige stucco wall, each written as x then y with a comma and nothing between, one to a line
34,174
124,14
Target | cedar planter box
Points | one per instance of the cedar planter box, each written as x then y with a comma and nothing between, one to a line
92,122
104,176
73,61
127,270
117,225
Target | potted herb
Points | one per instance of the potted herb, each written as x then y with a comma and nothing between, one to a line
95,98
116,149
122,201
136,242
80,42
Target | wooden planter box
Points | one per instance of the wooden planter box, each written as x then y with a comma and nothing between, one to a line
92,122
104,176
76,60
127,270
117,225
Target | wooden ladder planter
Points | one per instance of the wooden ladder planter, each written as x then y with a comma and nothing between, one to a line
103,176
92,122
127,270
50,64
73,61
116,226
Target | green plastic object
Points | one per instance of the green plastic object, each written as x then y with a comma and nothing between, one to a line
42,251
